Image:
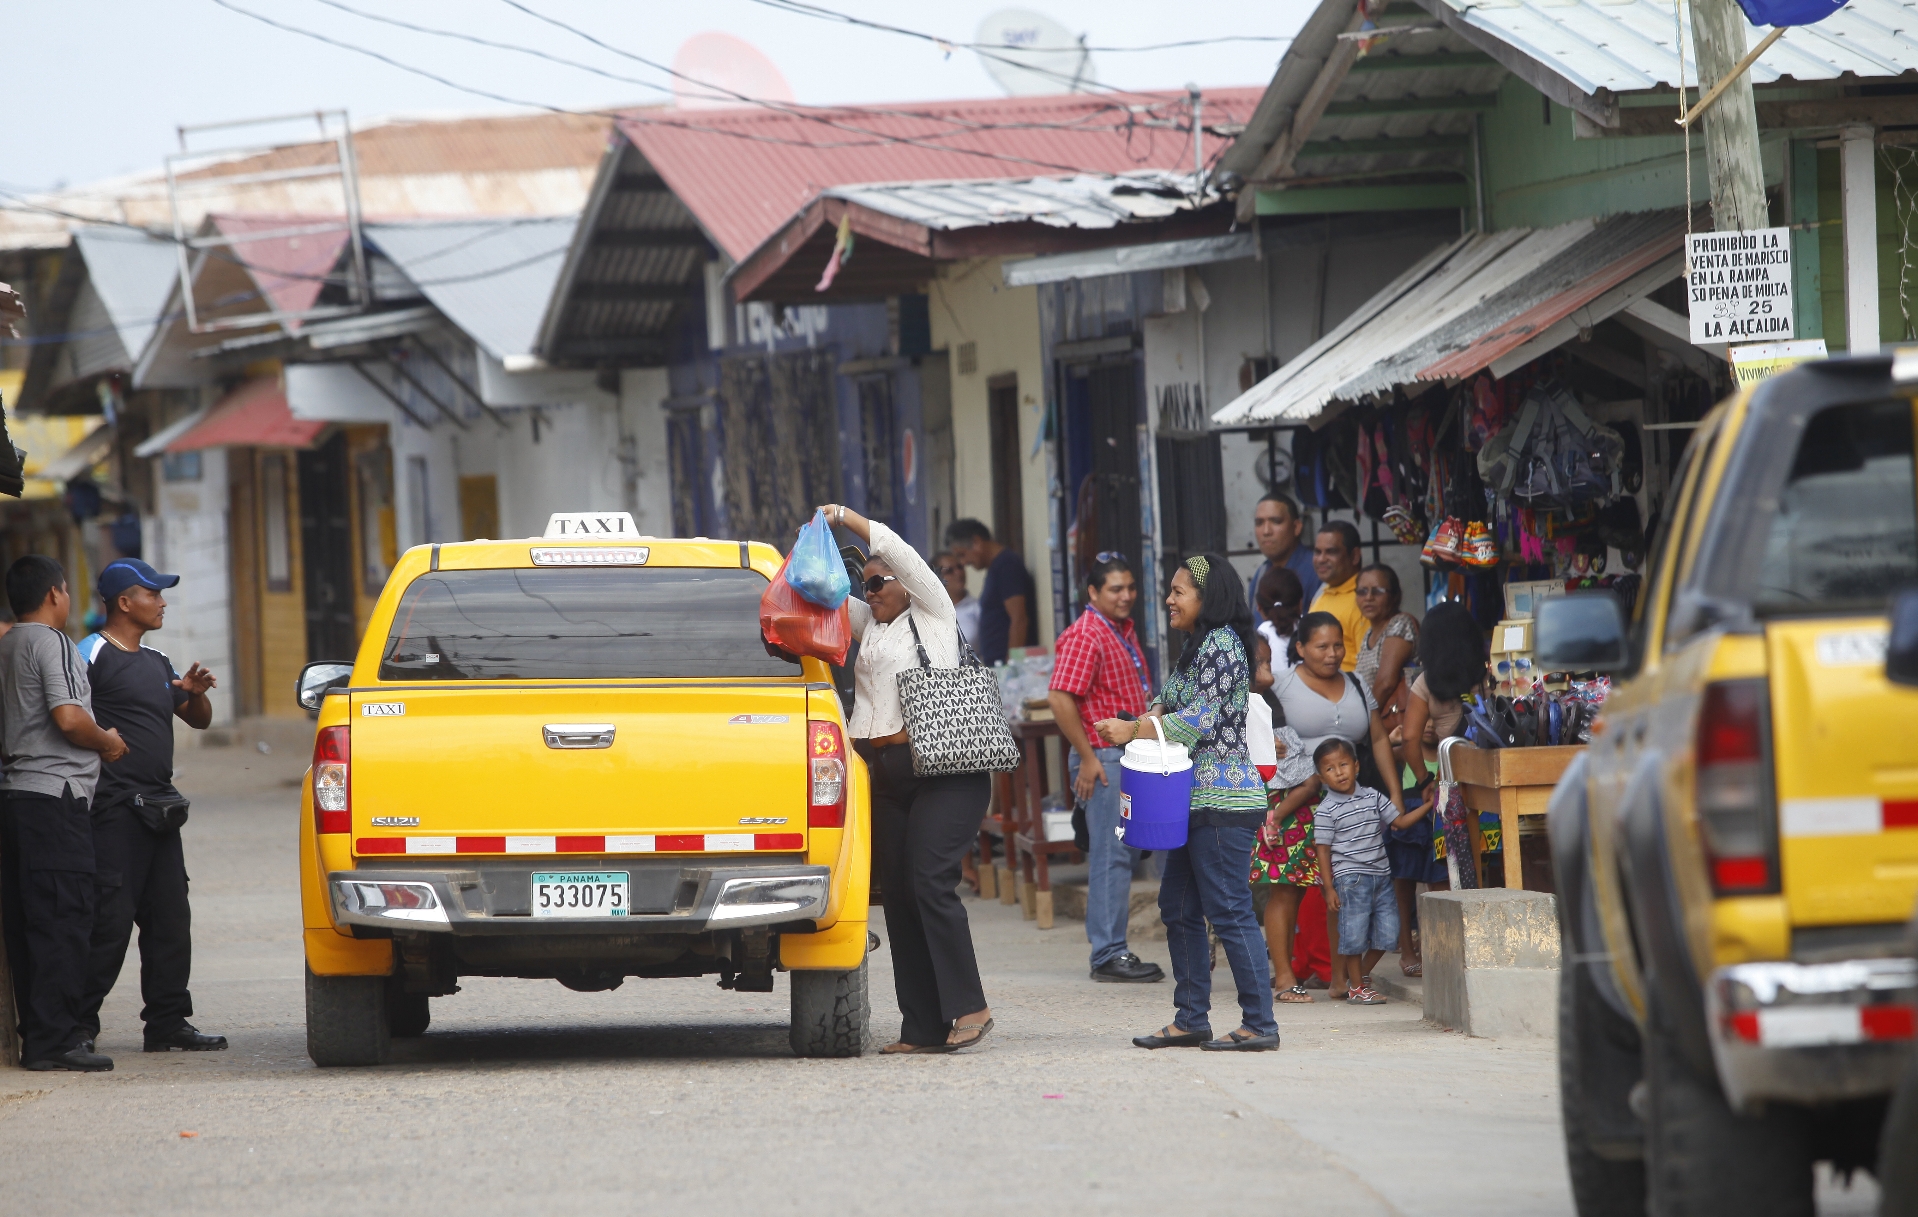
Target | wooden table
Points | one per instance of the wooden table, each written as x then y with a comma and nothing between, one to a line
1027,848
1512,782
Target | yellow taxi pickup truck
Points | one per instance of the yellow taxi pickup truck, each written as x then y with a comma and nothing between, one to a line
574,758
1736,854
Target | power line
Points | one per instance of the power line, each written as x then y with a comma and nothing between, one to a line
558,24
798,8
874,138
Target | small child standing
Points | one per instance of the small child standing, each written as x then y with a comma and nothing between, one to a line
1351,821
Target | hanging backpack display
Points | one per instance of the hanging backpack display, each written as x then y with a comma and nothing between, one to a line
1553,455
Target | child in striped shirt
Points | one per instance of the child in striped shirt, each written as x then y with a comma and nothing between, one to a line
1350,823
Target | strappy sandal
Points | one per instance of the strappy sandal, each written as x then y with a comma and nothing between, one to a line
1414,969
982,1028
1296,995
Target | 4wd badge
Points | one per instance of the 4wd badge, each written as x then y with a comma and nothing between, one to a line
382,709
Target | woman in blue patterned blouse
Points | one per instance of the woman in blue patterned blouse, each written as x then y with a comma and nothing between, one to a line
1203,707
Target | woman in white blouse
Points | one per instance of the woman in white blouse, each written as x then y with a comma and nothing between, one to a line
921,827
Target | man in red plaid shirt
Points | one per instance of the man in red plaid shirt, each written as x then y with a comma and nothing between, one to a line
1098,672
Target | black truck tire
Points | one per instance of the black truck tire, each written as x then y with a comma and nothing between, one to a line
1703,1159
831,1013
1898,1150
1602,1186
407,1014
346,1020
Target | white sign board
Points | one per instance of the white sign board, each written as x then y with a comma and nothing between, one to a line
1739,285
597,525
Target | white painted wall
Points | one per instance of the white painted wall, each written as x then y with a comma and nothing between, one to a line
971,303
188,537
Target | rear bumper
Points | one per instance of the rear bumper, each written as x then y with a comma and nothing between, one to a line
1812,1033
665,898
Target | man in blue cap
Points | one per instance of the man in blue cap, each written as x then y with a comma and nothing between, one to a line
137,813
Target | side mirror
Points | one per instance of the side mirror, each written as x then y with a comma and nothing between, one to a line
319,679
1901,650
1581,633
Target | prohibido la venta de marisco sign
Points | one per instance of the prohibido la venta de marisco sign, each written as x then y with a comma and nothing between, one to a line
1739,285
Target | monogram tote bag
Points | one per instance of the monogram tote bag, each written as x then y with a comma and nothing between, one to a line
954,717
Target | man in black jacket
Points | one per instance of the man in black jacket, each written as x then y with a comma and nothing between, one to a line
137,813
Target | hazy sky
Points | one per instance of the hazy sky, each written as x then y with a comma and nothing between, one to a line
98,86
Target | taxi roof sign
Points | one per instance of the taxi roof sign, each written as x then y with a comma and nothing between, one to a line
591,525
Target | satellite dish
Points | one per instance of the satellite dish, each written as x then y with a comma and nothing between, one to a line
1029,54
718,71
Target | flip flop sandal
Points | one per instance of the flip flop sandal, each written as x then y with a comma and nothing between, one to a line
1294,996
982,1028
1413,969
904,1049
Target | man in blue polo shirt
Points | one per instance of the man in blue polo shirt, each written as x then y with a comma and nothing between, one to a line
137,813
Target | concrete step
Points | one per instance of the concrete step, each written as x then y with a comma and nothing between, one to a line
1142,924
1387,979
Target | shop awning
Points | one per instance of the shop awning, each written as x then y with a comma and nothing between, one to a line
82,456
254,415
1486,302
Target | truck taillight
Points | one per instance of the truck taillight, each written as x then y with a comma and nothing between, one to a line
1735,805
826,761
332,790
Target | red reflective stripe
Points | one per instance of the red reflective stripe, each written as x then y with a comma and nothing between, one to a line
336,821
826,817
680,845
479,845
1745,1026
1733,873
579,845
1889,1022
1901,813
380,845
779,840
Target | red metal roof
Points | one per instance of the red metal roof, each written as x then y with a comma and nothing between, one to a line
745,173
289,270
254,415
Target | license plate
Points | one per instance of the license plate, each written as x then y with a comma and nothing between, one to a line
580,894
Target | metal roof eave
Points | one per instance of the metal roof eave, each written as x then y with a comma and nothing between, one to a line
1485,301
1600,106
605,182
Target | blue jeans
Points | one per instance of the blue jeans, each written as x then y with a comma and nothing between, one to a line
1368,913
1109,861
1205,880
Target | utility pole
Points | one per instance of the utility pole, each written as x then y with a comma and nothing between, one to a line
1731,122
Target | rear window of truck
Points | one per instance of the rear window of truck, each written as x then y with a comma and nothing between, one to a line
1845,532
577,624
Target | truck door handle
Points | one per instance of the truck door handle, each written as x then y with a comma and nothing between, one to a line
579,735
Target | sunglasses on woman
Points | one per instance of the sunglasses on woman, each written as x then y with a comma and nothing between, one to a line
878,582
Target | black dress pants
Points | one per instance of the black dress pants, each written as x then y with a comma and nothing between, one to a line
47,890
140,880
921,829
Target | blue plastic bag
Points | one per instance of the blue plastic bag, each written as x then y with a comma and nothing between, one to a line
816,570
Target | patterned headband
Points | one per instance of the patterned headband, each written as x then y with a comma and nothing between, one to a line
1200,568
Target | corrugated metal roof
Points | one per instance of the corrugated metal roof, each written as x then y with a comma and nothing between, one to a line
491,278
1463,308
253,415
133,274
745,173
289,271
537,164
1632,45
1079,201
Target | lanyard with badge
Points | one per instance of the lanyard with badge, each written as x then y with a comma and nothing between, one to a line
1132,652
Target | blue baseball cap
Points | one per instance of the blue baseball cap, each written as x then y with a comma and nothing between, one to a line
123,573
